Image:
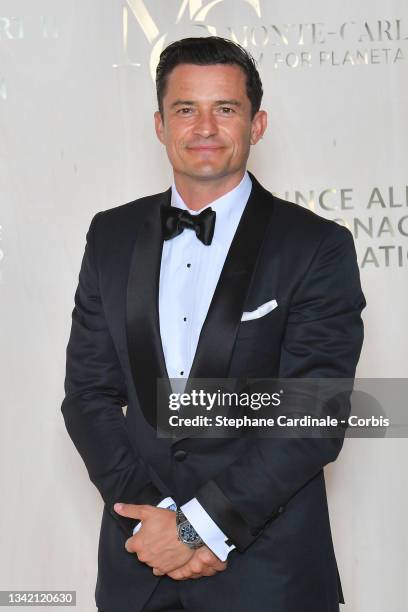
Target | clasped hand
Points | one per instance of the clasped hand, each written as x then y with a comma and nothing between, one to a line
156,544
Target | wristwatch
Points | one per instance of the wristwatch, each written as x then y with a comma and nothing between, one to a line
186,532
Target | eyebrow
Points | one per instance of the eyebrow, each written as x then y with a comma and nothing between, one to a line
216,103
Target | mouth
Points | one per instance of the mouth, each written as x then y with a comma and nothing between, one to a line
204,148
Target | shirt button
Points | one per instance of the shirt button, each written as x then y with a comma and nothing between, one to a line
185,319
189,265
182,372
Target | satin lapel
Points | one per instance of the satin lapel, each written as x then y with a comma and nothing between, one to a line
220,327
217,337
142,310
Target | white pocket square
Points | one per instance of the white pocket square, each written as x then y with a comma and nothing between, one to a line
261,311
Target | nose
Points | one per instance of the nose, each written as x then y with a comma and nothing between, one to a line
206,124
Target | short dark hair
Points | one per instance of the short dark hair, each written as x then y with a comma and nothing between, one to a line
206,51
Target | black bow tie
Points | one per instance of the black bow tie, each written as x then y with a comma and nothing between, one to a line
176,220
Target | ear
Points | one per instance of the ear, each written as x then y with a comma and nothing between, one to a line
159,126
258,127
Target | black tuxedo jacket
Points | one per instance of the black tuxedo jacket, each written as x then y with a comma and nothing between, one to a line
267,495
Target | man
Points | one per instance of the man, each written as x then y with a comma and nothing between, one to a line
162,291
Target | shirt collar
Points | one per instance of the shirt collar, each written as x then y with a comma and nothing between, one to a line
229,208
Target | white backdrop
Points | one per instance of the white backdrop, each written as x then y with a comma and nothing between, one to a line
76,136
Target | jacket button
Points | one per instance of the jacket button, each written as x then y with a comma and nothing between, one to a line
180,455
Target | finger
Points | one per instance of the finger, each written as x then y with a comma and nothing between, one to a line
188,571
199,569
206,572
208,559
178,575
196,567
157,572
218,565
130,510
131,544
134,545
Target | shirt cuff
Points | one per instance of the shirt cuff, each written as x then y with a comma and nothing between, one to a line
209,532
168,503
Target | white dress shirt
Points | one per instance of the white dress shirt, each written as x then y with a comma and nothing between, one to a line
188,276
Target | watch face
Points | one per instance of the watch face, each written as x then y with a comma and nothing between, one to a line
188,534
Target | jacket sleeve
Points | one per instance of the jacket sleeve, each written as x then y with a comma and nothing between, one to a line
95,394
323,339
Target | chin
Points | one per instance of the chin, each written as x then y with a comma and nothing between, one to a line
209,174
209,170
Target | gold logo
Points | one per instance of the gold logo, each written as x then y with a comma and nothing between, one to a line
197,12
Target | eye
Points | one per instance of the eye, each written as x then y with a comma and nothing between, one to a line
186,110
227,110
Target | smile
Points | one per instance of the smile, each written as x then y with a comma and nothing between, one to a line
204,148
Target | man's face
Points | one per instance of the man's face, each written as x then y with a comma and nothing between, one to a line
206,124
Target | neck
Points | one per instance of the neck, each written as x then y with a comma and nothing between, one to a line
199,193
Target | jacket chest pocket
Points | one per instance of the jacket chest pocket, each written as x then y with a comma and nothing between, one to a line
262,328
258,346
